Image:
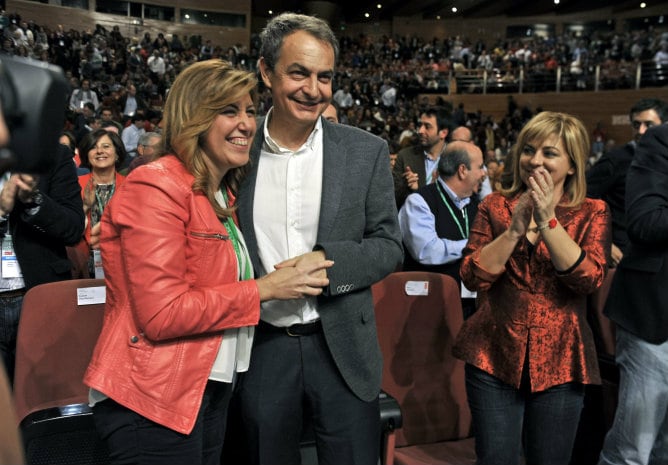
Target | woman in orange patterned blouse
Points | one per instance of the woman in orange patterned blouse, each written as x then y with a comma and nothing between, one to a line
535,251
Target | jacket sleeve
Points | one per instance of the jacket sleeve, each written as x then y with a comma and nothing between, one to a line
600,178
401,190
173,277
474,276
595,241
647,190
360,263
61,214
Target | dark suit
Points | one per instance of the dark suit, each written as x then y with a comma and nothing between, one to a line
638,299
358,230
606,180
638,304
410,156
40,239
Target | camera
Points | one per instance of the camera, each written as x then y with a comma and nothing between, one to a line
33,96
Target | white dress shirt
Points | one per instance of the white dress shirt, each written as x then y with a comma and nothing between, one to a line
286,213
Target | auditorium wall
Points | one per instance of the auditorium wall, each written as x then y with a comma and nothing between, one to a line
79,19
609,107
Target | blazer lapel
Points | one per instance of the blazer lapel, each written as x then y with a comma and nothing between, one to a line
247,197
333,166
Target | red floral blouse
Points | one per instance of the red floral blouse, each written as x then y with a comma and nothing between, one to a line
531,303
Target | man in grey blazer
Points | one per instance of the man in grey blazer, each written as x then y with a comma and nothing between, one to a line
638,304
415,166
315,190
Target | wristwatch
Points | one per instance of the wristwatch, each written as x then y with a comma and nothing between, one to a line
549,225
32,206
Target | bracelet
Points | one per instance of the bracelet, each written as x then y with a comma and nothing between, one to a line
549,225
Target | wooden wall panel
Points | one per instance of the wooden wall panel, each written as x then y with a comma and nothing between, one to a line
610,107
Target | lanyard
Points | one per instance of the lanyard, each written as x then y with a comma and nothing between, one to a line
102,202
452,213
231,228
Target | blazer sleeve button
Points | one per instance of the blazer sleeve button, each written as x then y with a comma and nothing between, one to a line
134,339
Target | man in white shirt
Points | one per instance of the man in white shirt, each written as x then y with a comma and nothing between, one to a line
156,63
343,97
132,133
82,95
316,190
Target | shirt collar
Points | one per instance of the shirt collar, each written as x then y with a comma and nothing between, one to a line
272,146
459,202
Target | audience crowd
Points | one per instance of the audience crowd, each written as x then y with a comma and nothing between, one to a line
376,86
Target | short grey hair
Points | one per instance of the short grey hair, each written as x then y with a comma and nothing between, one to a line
146,137
287,23
449,163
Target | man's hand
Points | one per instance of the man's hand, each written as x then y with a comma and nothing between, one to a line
616,255
19,186
306,262
26,186
411,178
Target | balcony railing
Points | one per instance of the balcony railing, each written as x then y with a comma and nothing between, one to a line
530,80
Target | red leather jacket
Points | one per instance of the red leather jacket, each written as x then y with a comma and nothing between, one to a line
172,288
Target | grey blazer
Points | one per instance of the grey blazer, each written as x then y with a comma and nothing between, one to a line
357,229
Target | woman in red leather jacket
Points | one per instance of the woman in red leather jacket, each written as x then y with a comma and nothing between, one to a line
181,302
535,251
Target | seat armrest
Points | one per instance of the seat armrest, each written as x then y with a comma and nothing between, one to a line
390,412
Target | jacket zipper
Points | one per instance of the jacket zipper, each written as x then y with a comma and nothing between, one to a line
222,237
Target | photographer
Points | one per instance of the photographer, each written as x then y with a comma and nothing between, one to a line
41,210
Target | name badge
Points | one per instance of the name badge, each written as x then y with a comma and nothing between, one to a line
10,265
97,264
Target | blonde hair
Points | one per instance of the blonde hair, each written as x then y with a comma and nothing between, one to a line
196,97
575,140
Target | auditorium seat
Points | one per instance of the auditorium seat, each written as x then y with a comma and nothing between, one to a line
419,315
56,336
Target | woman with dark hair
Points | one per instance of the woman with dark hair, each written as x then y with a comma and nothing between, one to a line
536,250
181,302
102,152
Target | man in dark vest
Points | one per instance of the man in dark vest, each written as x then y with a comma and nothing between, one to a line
435,220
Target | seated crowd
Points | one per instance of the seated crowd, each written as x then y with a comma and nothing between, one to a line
531,253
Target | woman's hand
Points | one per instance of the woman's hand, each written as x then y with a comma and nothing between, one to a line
89,195
521,218
94,243
295,279
541,189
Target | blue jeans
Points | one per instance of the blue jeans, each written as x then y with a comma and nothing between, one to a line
505,417
10,312
639,434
